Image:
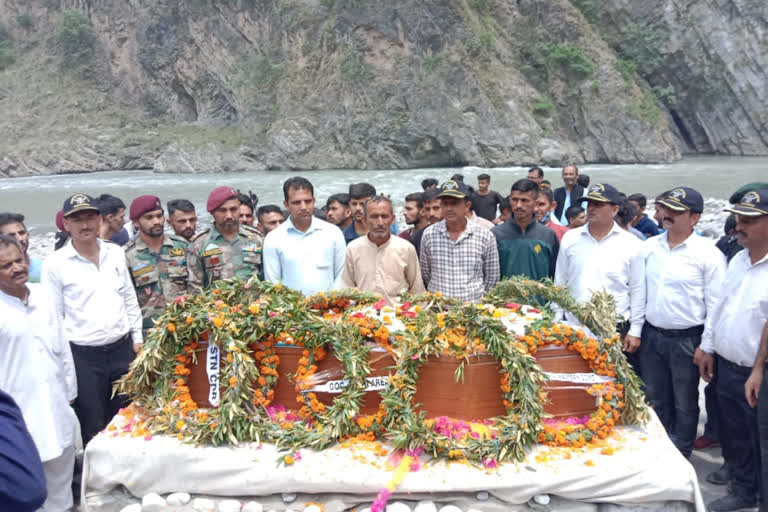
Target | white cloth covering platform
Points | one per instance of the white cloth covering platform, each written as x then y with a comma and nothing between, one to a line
644,469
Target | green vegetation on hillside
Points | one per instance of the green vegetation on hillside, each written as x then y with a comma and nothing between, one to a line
7,52
589,8
543,106
75,39
25,21
258,74
646,109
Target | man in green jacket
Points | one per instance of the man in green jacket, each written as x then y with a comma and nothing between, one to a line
526,247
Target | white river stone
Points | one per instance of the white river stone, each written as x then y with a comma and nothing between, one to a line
398,506
178,499
229,506
425,506
152,502
203,505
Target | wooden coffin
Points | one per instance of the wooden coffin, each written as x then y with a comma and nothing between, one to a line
329,369
477,397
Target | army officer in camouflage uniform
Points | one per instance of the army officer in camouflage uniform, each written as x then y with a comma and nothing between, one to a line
157,262
226,249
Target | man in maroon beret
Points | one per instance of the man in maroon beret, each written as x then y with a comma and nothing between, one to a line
226,249
157,262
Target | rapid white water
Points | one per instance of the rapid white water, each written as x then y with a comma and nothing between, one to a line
40,197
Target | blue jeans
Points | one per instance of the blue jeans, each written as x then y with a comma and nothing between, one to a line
738,429
672,383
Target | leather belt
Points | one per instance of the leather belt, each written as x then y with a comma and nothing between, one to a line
696,330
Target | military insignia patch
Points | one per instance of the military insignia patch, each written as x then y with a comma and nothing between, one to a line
176,251
140,270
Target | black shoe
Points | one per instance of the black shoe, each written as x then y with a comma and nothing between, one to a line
720,477
732,502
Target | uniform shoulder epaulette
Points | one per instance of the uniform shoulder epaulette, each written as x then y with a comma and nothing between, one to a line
130,245
198,235
180,239
249,230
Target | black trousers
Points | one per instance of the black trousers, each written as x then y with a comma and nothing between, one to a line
97,369
738,429
672,381
762,423
712,427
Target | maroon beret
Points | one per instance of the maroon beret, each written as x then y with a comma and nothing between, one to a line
144,204
219,196
60,220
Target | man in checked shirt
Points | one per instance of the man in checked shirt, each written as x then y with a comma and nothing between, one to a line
458,258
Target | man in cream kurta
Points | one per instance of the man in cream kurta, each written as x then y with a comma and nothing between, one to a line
36,369
379,262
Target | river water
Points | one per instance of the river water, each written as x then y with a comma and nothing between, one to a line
40,197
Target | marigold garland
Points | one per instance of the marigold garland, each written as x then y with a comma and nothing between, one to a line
464,332
247,321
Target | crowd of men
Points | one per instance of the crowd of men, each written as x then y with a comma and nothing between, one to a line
683,311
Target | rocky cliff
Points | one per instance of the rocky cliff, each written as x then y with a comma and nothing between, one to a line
200,85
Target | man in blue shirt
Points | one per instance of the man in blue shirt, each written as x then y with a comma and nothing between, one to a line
304,252
641,222
359,193
22,481
13,224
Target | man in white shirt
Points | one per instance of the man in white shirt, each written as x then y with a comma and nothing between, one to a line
95,298
379,262
602,256
36,369
304,252
737,325
683,276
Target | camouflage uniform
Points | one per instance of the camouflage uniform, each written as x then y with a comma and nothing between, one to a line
158,278
212,257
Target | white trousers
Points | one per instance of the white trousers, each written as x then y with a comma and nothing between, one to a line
58,481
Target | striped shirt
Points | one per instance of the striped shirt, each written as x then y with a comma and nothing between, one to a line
464,269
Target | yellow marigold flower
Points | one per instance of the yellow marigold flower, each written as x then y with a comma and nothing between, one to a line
288,460
218,321
171,327
232,381
253,308
179,424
